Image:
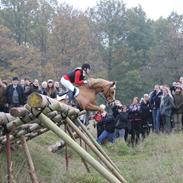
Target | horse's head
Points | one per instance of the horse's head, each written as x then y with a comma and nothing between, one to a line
109,91
108,88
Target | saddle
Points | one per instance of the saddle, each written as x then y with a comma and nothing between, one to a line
68,96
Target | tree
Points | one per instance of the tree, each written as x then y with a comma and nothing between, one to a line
109,18
72,41
15,59
18,16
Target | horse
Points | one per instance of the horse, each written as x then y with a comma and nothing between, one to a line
86,98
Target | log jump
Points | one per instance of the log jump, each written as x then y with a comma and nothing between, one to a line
42,114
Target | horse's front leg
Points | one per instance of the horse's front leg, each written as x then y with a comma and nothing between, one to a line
93,107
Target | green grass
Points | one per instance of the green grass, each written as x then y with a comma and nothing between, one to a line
158,159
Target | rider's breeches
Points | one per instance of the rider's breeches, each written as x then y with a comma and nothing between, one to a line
67,84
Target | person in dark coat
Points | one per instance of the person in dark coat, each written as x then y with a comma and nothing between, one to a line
135,120
44,85
109,129
35,87
50,90
117,104
166,106
15,94
27,88
178,108
155,100
121,122
145,114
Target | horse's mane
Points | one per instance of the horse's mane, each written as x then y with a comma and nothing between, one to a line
98,81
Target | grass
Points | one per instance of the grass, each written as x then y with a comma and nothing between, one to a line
158,159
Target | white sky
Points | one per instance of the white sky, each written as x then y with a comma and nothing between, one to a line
153,8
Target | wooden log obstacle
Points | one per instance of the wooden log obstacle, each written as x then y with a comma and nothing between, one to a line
42,114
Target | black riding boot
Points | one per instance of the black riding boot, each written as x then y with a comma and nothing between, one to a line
71,96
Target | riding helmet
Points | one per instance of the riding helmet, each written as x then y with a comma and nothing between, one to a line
85,66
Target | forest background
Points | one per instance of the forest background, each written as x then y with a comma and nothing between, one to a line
44,39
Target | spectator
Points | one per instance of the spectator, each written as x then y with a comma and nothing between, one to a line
135,120
173,87
115,107
109,128
121,122
178,108
22,83
166,110
35,87
2,97
43,87
58,88
27,88
181,79
155,100
50,90
145,114
15,94
98,117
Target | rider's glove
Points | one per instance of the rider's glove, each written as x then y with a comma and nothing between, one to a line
85,81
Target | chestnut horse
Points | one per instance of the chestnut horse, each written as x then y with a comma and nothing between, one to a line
88,92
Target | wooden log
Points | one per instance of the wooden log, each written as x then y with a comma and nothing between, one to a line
73,137
19,111
96,144
53,127
22,112
33,126
66,152
96,151
60,144
8,157
32,136
57,146
30,164
33,129
30,118
43,103
5,118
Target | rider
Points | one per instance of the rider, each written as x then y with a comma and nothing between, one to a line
75,77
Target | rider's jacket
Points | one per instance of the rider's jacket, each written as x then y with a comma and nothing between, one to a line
75,76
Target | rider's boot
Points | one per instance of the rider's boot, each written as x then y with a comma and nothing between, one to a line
71,95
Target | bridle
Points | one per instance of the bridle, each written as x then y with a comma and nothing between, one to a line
107,95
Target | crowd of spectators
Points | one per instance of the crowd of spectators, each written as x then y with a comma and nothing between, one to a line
161,110
16,93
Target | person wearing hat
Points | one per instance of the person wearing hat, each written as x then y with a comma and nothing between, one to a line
15,94
178,108
74,78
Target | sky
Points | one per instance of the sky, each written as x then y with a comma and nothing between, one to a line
153,8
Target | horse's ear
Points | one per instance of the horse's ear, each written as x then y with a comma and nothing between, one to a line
113,83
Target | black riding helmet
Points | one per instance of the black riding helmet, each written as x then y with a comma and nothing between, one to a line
85,66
